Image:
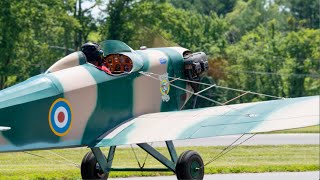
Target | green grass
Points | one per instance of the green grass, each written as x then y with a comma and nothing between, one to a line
311,129
243,159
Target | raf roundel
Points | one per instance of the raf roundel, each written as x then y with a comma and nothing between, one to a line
60,117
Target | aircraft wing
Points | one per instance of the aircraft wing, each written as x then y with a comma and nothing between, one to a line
216,121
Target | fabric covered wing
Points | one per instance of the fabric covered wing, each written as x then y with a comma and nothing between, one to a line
216,121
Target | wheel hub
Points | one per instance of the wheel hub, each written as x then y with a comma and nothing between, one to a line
194,169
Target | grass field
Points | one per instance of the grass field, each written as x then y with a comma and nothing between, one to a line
243,159
311,129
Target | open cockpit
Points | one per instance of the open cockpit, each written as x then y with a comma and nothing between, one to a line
118,57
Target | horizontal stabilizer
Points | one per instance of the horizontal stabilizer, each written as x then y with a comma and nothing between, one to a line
3,128
216,121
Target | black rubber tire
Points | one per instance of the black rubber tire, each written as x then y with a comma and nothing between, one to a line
89,168
186,166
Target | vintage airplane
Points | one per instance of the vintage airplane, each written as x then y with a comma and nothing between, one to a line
75,104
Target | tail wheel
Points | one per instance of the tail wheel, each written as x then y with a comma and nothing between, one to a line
190,166
90,168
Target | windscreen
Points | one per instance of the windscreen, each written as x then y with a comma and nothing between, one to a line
114,46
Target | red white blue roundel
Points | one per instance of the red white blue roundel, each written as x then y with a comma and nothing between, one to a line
60,117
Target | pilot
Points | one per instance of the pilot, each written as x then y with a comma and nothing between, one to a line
94,55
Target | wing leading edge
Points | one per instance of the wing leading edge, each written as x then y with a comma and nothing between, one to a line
216,121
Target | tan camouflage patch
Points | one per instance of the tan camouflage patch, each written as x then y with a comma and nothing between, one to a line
81,94
146,88
3,141
66,62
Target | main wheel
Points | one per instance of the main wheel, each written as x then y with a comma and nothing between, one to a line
90,168
190,166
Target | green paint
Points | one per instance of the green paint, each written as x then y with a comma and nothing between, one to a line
25,108
238,121
114,46
29,125
114,103
195,173
32,89
145,61
175,61
82,58
175,69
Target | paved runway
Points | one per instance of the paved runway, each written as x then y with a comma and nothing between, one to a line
259,139
246,176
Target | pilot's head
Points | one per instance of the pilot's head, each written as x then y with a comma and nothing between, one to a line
93,53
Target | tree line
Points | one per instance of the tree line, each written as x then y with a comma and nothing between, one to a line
266,46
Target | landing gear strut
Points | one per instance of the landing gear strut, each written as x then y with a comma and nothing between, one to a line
188,166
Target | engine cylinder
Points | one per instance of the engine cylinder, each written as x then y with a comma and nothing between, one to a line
195,64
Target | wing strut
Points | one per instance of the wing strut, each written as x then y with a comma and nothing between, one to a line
228,149
135,155
206,84
159,77
235,98
148,74
105,163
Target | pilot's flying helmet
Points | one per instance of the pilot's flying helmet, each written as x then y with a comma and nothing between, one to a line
92,51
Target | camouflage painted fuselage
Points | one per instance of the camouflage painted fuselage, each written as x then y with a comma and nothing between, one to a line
98,101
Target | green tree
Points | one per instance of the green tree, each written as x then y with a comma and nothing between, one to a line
206,7
10,30
305,13
248,15
117,21
150,22
33,37
302,61
254,63
87,23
